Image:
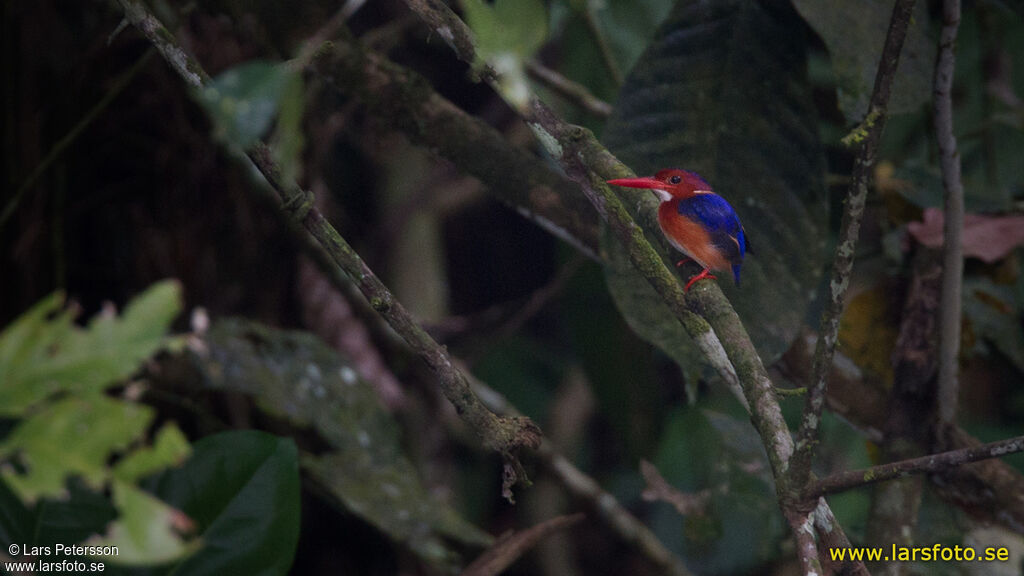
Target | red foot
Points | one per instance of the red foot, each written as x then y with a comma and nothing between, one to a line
683,261
704,274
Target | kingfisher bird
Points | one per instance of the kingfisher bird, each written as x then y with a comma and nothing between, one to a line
696,221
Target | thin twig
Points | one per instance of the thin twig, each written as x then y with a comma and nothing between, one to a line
502,434
923,465
583,487
571,91
871,132
953,262
118,86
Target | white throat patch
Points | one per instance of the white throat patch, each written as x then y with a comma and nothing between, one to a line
663,195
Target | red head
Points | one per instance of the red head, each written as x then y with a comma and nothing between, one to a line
668,184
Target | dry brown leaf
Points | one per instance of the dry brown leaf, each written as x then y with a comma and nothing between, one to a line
989,238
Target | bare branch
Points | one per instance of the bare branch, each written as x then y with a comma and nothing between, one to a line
502,434
511,546
869,137
953,261
925,464
659,489
571,91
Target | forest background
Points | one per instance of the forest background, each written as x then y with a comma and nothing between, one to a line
219,385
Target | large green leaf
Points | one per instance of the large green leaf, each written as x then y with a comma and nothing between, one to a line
741,526
723,91
40,355
242,490
854,31
296,377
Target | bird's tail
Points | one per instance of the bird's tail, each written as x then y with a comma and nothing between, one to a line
736,273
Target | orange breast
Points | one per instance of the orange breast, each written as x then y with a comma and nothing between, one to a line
689,237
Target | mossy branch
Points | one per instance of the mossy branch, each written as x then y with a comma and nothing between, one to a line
868,135
502,434
406,101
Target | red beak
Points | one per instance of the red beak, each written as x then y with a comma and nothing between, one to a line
647,182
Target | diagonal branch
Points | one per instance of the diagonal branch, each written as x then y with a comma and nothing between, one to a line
502,434
574,92
727,346
406,101
869,135
940,462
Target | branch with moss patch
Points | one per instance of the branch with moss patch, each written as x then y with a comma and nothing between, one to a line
807,436
502,434
406,101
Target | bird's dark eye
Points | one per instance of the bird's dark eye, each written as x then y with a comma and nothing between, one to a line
675,179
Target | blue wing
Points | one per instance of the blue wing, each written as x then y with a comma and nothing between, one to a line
722,223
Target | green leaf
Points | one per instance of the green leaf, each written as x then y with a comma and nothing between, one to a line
169,448
74,436
145,532
289,139
39,357
854,32
243,101
296,377
741,528
242,490
507,27
688,103
508,32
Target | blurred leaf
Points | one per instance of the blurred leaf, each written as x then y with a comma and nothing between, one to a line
525,372
289,139
508,32
295,376
740,527
77,436
854,31
516,27
39,356
629,26
169,448
990,238
687,103
612,354
48,522
868,332
146,531
993,318
243,101
242,490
